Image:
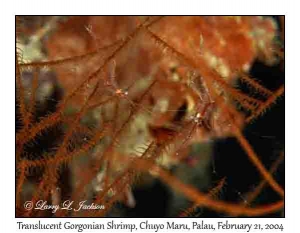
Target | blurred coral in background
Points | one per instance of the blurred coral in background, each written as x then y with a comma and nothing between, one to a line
126,111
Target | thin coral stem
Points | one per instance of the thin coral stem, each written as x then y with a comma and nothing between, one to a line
251,196
251,81
263,107
65,61
212,193
258,164
203,199
20,182
21,95
32,102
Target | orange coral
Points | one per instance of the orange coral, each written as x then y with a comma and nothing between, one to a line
138,93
